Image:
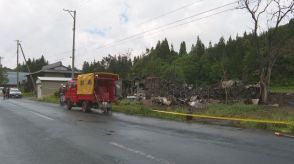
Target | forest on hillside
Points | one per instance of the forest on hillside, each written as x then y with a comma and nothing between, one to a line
202,64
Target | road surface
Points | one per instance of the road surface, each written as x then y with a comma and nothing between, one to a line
41,133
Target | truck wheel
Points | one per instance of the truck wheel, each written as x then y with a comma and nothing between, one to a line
61,101
68,105
109,111
86,106
106,111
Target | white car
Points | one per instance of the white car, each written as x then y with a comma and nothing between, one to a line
15,93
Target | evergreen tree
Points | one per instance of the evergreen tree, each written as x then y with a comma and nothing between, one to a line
163,50
3,76
183,50
198,48
86,67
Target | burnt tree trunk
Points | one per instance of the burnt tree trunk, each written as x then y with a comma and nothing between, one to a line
265,78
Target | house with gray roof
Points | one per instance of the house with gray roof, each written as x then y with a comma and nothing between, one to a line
51,70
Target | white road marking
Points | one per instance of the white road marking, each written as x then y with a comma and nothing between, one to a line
43,116
139,152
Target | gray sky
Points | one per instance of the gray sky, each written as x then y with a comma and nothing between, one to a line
45,29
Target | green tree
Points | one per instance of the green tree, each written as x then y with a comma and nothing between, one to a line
86,67
163,50
198,49
183,50
3,76
34,64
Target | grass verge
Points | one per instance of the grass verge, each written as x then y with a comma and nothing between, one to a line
222,110
50,99
28,94
282,89
136,108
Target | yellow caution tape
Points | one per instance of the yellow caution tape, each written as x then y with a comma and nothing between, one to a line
228,118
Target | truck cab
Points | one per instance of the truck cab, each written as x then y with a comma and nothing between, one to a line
71,90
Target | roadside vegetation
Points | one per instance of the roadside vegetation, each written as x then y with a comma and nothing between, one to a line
283,85
137,108
28,94
282,89
50,99
221,110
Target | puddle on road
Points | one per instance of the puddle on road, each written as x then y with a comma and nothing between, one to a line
110,132
90,121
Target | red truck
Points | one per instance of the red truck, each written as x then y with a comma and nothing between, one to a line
91,90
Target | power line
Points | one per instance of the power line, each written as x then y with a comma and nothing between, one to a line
217,13
157,28
170,12
171,27
162,27
177,25
152,34
168,24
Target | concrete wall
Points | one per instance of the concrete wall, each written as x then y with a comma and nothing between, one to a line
48,88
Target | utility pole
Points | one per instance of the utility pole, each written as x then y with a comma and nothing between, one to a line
1,61
17,61
31,77
72,13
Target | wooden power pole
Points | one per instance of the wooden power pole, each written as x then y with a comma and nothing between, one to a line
17,61
72,13
31,77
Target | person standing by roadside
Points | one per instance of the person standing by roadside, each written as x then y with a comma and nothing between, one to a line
4,93
7,92
62,94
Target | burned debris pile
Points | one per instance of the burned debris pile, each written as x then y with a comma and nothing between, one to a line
168,92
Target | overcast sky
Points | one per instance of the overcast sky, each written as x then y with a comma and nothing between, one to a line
45,29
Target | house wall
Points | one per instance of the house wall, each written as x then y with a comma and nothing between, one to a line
29,85
48,88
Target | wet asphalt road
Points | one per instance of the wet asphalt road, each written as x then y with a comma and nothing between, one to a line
41,133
